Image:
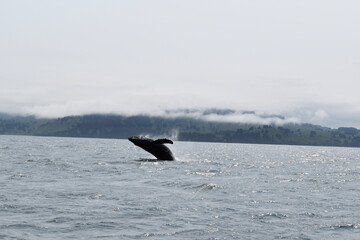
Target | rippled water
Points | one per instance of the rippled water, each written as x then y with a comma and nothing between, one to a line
61,188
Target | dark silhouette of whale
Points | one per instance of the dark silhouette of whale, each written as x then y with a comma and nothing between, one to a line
155,147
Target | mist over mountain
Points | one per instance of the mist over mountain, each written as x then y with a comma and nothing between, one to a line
225,115
210,125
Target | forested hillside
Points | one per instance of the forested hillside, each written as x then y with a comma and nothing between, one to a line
182,129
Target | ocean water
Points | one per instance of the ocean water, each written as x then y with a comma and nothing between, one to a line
68,188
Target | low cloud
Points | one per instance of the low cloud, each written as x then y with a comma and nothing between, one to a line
326,115
228,115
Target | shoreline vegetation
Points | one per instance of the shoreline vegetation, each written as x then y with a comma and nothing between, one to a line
179,128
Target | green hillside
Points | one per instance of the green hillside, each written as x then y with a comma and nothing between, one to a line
186,129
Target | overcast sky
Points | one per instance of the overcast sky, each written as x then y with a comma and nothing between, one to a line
296,58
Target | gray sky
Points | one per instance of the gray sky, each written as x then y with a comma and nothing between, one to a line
296,58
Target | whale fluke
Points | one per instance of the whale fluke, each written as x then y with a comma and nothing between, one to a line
155,147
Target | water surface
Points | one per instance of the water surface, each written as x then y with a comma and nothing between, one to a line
62,188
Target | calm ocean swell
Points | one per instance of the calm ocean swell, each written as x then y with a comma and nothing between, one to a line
67,188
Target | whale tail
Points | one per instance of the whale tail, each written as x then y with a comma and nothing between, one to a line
155,147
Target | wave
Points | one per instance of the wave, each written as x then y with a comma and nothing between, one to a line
348,226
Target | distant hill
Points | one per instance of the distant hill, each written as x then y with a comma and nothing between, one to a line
182,128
